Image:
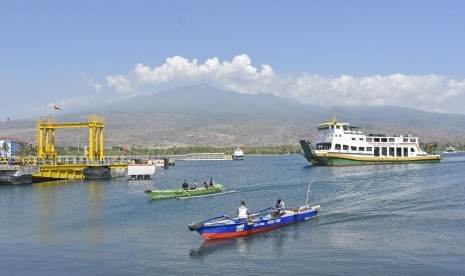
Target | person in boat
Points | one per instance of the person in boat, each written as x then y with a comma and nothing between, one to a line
279,209
205,184
242,211
194,185
185,185
211,182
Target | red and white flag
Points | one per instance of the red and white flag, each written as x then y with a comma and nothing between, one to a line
56,107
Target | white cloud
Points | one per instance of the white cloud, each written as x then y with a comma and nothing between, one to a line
426,92
121,84
95,86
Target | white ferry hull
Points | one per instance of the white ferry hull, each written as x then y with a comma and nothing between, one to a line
238,157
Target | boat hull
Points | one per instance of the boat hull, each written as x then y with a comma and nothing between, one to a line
161,194
329,159
231,228
238,157
324,158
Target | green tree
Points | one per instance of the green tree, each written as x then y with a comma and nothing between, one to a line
5,148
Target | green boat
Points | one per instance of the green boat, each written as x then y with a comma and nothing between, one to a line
182,193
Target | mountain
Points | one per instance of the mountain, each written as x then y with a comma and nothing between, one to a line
205,115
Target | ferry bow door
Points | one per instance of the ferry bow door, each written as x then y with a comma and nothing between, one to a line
376,151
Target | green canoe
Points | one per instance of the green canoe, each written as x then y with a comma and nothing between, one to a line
159,194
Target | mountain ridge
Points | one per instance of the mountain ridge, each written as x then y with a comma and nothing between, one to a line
205,115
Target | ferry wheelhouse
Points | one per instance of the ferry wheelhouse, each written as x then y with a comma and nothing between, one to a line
344,144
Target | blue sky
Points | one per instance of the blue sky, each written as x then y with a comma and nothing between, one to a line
78,53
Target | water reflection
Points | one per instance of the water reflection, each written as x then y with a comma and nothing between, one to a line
244,246
95,213
82,212
45,218
211,246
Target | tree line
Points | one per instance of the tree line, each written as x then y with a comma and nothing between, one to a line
31,150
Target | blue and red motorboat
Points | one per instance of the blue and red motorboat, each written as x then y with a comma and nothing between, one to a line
226,227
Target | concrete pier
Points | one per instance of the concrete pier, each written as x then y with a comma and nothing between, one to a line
17,174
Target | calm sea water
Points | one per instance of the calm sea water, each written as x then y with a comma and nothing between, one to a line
385,219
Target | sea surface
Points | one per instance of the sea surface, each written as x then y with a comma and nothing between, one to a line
404,219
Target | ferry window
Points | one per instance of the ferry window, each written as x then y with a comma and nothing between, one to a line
339,135
361,139
345,147
391,139
338,127
384,151
384,140
405,139
376,139
353,138
361,149
412,150
376,153
338,147
344,127
412,139
369,140
323,146
391,151
405,151
369,148
398,152
353,148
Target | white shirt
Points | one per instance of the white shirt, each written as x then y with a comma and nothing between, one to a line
243,212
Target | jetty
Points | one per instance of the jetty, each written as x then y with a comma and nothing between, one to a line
49,165
17,174
203,156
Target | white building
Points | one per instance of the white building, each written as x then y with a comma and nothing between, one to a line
9,148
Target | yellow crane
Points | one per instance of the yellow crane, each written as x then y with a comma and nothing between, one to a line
46,136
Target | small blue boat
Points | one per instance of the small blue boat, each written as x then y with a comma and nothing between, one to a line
226,227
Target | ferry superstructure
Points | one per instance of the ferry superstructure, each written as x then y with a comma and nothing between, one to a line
344,144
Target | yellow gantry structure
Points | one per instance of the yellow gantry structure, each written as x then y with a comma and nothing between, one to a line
46,136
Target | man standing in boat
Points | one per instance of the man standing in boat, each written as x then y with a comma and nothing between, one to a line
243,212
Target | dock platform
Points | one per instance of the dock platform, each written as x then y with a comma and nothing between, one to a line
17,174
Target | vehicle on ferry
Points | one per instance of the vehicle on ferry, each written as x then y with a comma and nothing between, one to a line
345,144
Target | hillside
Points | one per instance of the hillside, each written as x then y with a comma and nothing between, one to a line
204,115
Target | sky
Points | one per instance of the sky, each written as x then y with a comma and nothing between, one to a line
76,54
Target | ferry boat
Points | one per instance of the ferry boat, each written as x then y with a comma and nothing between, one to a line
345,144
450,149
238,154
